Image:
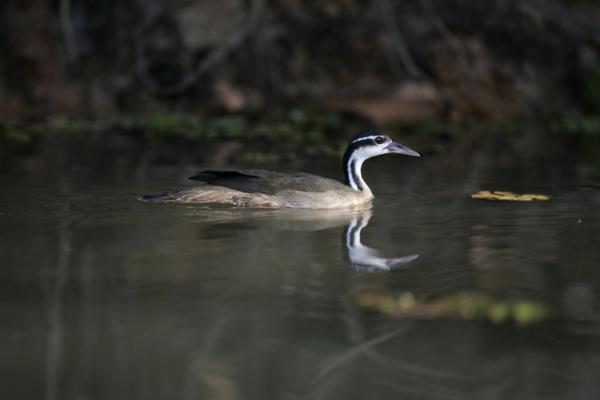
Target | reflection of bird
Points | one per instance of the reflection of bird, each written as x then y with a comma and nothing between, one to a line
363,258
261,188
227,222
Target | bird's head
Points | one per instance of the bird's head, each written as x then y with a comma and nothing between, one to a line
371,143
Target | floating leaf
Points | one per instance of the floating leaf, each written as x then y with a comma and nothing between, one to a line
507,196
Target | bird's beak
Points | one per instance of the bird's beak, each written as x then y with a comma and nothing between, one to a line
396,147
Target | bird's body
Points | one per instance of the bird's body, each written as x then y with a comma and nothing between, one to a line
262,188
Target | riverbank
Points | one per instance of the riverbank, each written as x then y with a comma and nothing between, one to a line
284,137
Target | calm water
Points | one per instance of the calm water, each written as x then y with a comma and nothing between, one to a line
429,295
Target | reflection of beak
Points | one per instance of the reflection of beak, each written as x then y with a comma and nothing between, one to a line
396,147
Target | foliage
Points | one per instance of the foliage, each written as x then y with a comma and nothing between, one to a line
281,136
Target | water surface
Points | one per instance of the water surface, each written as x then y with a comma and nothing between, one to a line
105,297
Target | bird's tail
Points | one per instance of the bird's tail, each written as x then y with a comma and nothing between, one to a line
156,197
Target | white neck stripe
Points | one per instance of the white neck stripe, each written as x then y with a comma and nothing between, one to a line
360,139
355,179
351,175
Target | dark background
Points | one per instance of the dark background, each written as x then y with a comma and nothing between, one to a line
386,60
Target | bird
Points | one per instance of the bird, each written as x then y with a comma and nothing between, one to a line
271,189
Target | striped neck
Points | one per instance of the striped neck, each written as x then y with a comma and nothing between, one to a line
353,160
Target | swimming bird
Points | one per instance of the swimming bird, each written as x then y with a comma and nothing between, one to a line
262,188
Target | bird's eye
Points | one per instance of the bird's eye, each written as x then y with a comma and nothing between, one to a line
379,140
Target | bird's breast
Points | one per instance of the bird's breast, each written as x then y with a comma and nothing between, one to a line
323,200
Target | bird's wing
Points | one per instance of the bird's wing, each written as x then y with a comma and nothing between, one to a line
267,182
210,176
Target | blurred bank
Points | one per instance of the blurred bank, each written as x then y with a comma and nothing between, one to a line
384,60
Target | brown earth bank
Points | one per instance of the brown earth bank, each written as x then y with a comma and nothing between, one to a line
386,60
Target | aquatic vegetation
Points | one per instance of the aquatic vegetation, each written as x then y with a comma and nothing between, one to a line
294,133
463,305
295,125
281,136
508,196
17,136
575,124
